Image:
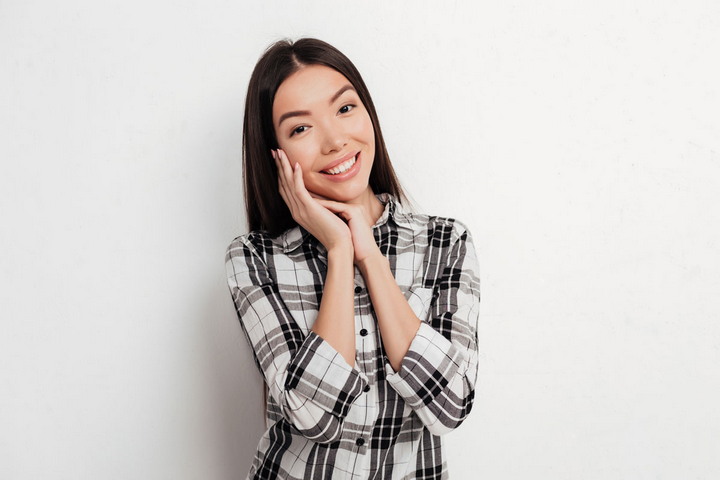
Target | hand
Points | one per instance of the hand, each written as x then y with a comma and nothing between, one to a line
323,224
363,239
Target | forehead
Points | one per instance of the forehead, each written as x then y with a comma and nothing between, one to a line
309,86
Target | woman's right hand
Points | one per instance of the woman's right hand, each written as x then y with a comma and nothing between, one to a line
323,224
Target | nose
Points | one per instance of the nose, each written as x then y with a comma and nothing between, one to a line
334,139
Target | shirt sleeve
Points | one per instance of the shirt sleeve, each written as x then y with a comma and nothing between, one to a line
438,373
306,376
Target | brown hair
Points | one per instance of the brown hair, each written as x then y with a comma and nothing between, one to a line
266,210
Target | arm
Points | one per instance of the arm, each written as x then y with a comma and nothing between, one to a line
397,322
433,363
336,319
310,380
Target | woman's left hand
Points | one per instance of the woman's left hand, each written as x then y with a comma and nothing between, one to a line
358,221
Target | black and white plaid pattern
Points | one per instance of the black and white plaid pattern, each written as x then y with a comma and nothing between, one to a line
326,419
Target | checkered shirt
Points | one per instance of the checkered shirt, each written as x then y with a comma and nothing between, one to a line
326,419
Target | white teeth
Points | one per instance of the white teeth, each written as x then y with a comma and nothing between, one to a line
343,167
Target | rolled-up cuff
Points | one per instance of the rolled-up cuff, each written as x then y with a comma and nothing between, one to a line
321,374
429,365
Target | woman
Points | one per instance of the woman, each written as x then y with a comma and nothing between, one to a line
361,315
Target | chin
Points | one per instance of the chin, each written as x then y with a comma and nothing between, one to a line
347,195
340,193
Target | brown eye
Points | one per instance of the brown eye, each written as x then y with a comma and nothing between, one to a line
346,108
299,129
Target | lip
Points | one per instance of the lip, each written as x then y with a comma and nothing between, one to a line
341,177
340,160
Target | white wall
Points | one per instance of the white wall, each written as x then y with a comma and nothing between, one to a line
578,140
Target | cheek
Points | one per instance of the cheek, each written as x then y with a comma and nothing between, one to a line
363,130
305,157
369,131
299,153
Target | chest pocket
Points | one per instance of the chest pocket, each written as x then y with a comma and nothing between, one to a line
419,300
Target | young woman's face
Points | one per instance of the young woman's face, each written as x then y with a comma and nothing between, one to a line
321,124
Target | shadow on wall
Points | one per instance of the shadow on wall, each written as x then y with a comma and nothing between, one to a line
235,386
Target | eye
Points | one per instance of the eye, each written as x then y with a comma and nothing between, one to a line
298,130
346,108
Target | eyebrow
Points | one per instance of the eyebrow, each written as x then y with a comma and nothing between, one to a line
300,113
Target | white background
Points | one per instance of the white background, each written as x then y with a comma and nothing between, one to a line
579,141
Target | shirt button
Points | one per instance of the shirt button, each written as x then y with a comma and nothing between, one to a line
366,389
358,289
359,442
363,332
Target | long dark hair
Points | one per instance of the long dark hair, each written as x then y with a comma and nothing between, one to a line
266,210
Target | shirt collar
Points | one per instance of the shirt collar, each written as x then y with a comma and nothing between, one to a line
294,237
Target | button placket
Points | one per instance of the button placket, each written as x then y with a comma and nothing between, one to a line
358,290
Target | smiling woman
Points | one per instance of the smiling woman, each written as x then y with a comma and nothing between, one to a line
361,315
324,127
281,68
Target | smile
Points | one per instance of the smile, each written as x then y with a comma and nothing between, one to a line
345,171
343,167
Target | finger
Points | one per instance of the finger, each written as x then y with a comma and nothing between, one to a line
287,198
332,207
285,169
346,210
284,196
300,189
287,179
336,207
281,181
334,204
282,173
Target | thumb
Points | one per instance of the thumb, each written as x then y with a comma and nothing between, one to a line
332,205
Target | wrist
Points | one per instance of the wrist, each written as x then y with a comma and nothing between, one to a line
372,262
341,252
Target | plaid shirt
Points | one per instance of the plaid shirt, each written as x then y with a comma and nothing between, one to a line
327,419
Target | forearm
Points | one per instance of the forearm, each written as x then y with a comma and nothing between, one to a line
397,322
335,322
